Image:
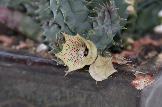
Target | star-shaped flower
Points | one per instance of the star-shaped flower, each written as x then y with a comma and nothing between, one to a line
77,52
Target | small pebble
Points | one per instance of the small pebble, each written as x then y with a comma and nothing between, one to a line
41,47
158,29
160,13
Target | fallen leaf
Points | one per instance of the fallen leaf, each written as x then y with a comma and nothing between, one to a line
102,68
142,81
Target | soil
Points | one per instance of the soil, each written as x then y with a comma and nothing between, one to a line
14,41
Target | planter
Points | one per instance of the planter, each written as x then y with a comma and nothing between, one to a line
30,81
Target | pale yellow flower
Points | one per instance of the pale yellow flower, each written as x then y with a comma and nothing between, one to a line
73,53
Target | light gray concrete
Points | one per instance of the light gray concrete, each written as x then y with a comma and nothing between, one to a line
151,95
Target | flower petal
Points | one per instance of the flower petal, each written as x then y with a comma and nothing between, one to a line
102,68
92,52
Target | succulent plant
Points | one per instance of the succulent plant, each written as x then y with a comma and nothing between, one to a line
105,26
70,15
121,6
96,20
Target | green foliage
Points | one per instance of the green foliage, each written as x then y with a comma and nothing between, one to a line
147,12
122,11
121,6
105,26
43,11
71,15
97,20
145,19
